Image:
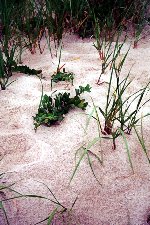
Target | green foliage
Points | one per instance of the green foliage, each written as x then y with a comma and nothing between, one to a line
140,137
62,76
6,64
25,69
108,53
85,152
9,42
52,110
120,108
28,21
82,89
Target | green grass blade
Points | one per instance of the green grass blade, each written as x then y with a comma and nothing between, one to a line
91,166
127,148
142,141
90,144
4,211
51,216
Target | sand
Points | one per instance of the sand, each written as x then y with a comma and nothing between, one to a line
48,155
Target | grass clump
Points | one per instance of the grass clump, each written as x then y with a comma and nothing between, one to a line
6,64
121,115
121,110
109,52
52,110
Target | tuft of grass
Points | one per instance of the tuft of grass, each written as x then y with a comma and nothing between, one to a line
6,64
108,53
118,108
86,153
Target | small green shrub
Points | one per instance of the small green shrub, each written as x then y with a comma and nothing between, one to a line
52,110
62,76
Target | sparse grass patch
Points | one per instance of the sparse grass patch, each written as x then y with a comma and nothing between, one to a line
59,208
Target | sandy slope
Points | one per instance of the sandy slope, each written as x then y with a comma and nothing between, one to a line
48,155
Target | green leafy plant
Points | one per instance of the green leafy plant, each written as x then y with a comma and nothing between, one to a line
52,110
25,69
62,76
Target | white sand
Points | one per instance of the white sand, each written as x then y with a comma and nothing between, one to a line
49,155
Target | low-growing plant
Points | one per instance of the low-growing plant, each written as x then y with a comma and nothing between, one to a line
52,110
8,65
25,69
62,76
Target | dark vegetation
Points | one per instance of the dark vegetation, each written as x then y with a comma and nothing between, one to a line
24,24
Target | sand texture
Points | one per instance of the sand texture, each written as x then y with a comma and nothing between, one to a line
48,156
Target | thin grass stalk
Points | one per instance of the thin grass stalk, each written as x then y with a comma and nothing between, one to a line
141,140
127,148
